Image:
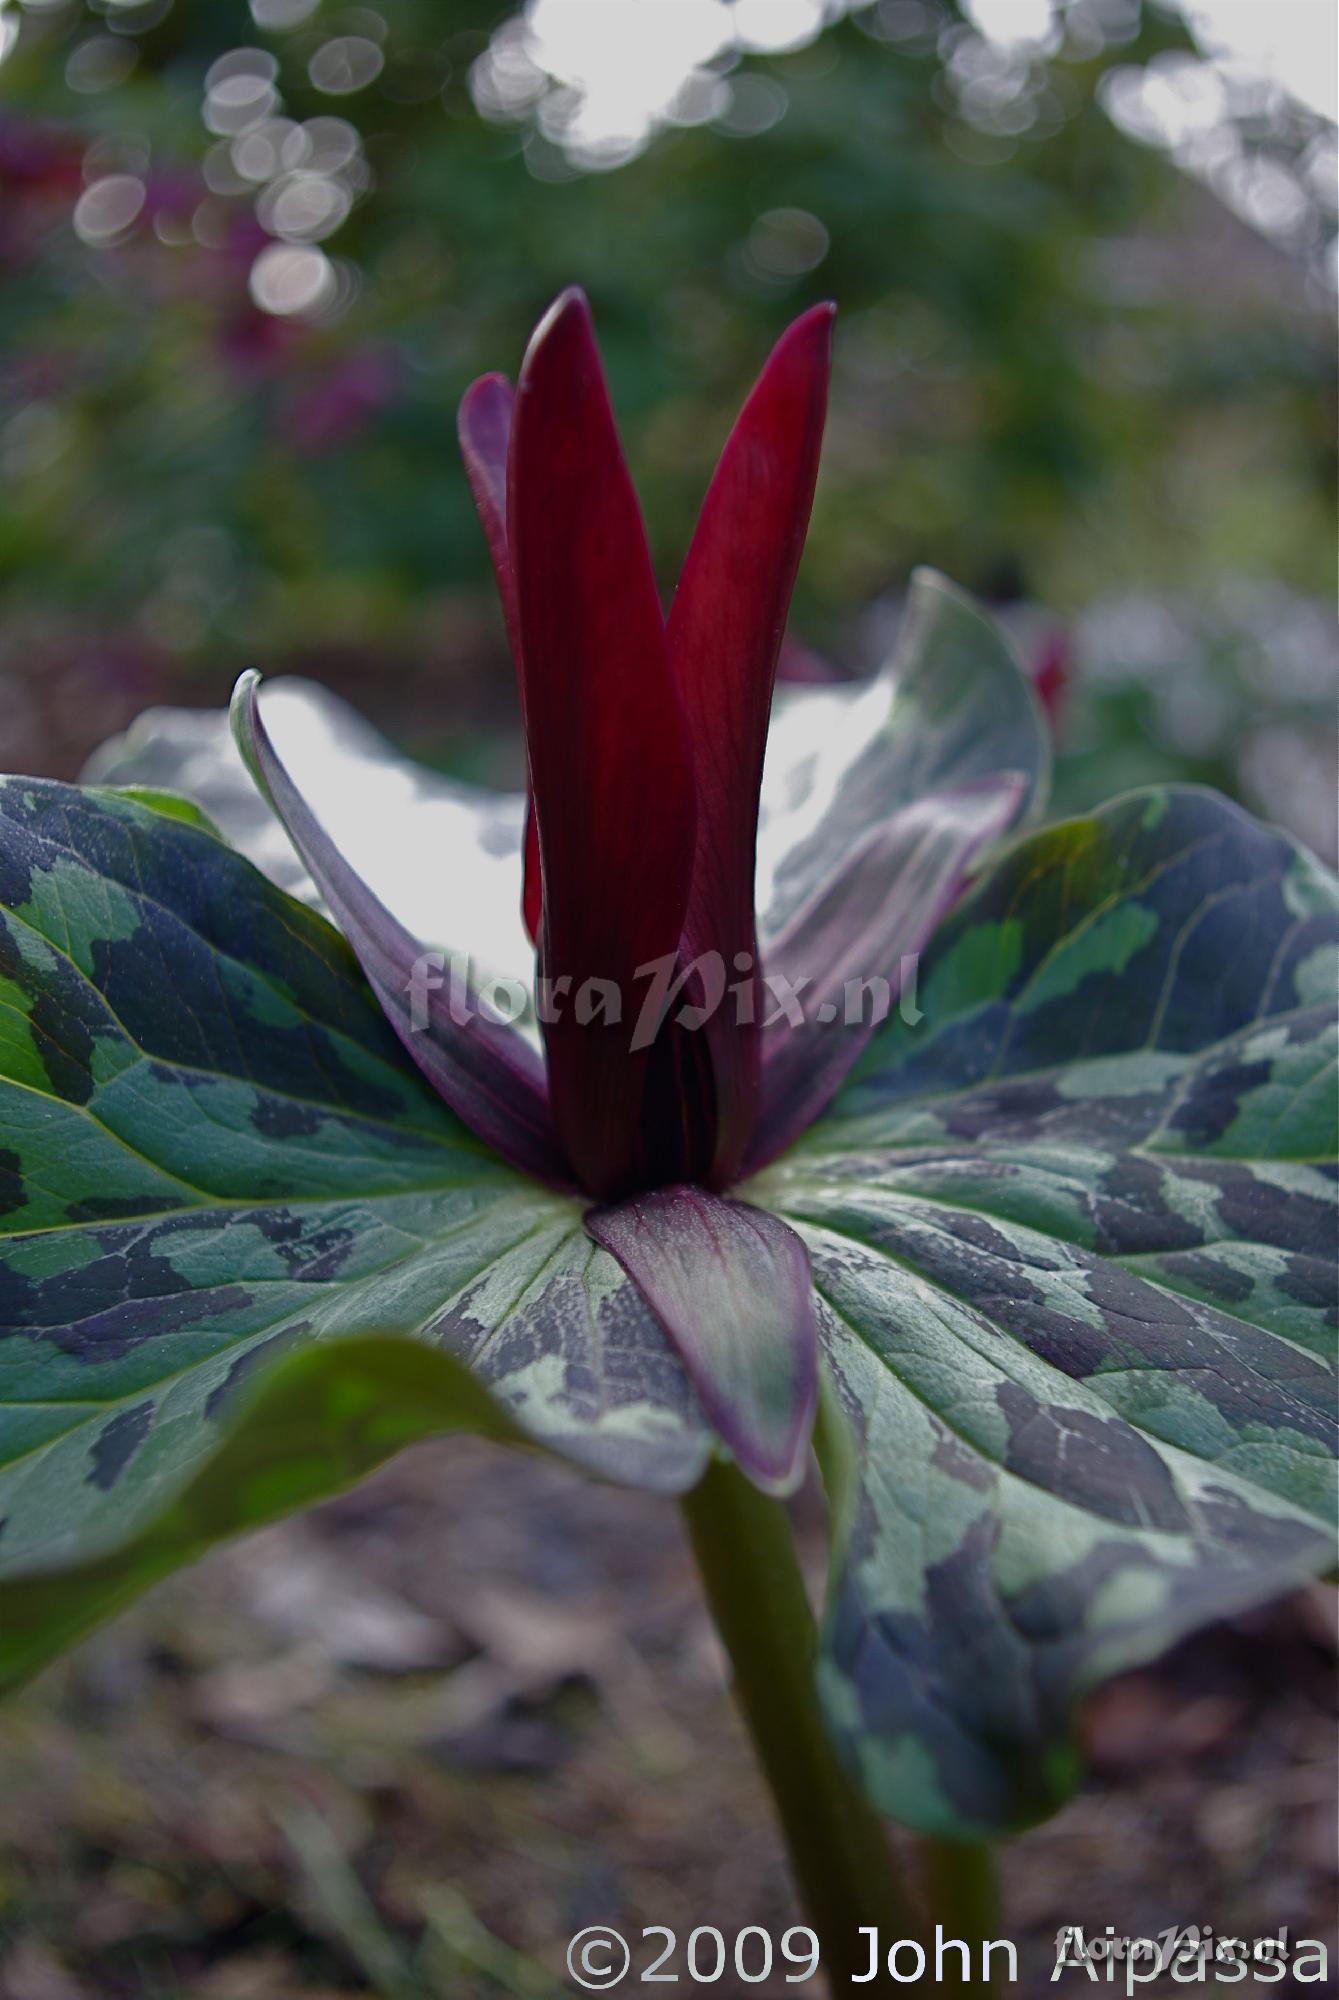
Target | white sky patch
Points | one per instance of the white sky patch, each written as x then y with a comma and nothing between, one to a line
1294,43
601,76
1195,107
625,67
1014,20
627,59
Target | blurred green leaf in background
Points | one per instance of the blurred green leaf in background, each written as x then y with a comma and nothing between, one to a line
250,256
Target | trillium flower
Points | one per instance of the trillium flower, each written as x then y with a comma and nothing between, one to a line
684,1044
277,1202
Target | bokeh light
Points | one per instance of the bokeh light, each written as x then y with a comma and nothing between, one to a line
288,280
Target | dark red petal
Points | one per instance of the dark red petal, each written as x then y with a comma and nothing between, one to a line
881,908
484,426
488,1075
532,892
608,750
725,629
731,1286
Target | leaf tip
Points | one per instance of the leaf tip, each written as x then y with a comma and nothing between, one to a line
777,1467
244,719
242,708
484,415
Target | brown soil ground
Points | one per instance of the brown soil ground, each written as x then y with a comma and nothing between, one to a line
410,1743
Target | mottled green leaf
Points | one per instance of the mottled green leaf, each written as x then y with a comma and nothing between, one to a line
175,804
214,1154
314,1421
1074,1237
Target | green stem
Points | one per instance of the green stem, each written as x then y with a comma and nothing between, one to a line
960,1895
838,1846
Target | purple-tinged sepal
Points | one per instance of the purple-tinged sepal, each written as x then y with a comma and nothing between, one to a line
482,1067
731,1286
850,953
952,704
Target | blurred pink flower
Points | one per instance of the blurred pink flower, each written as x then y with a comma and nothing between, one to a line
1052,671
343,400
40,158
40,172
252,343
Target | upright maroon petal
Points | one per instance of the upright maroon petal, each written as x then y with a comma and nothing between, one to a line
725,629
484,428
609,754
483,425
532,889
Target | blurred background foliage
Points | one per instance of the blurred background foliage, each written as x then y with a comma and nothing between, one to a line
251,256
